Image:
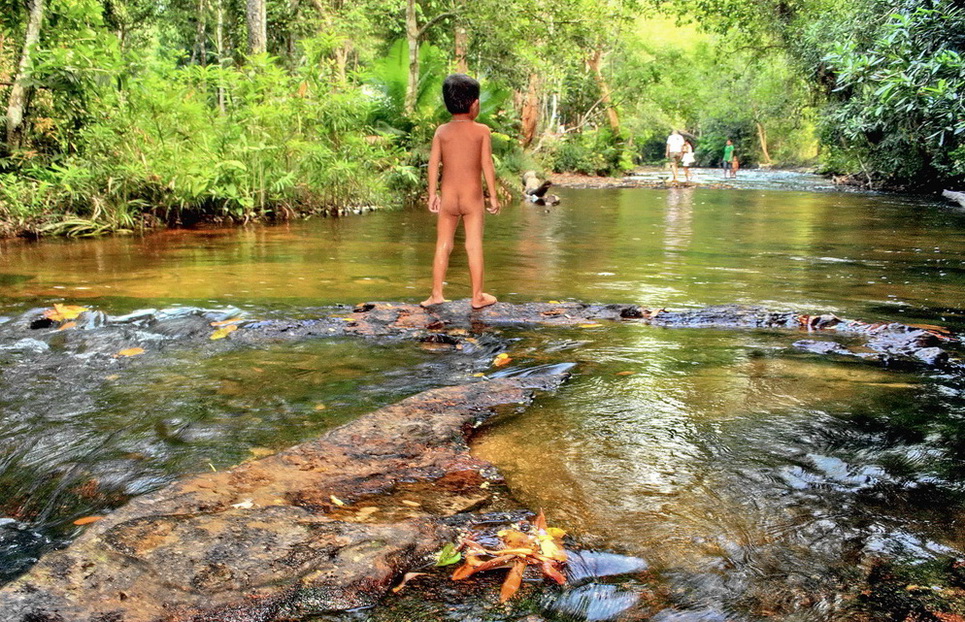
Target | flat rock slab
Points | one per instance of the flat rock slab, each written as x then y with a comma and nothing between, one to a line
327,525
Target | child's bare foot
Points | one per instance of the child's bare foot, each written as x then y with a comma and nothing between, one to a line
432,300
483,301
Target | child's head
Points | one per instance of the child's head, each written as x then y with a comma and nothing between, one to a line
729,142
459,92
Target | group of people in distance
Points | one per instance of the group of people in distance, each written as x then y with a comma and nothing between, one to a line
680,152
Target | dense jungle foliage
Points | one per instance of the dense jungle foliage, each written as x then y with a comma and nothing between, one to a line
121,114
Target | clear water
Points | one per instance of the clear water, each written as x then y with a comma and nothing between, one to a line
755,480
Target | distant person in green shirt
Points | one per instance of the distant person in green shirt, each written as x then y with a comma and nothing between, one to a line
729,160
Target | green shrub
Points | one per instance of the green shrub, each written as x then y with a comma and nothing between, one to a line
595,152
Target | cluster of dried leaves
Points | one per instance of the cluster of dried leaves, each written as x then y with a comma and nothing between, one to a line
541,547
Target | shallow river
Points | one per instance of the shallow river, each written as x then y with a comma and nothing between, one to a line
754,479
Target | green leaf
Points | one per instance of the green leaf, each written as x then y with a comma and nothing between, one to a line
448,555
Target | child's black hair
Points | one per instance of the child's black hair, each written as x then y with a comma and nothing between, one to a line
459,92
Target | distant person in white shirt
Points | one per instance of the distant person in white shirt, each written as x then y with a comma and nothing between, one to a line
675,151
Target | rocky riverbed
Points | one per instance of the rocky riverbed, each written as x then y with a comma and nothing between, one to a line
331,524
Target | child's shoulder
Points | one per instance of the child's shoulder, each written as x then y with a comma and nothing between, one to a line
461,126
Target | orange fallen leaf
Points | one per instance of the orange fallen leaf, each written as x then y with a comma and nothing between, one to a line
87,520
130,352
501,359
67,325
61,313
221,333
514,578
405,580
625,373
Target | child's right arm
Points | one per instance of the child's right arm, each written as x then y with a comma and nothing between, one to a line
434,157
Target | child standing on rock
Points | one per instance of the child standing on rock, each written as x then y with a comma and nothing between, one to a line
464,149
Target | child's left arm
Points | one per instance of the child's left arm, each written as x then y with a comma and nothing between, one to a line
489,172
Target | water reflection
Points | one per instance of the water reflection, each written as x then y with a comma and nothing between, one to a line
860,255
755,481
680,214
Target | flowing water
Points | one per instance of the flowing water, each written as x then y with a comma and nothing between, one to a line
754,480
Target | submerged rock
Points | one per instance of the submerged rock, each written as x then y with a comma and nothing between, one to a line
327,525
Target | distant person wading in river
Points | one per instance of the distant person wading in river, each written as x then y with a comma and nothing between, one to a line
688,159
729,159
675,151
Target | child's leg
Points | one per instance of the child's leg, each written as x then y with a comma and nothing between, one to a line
445,232
473,222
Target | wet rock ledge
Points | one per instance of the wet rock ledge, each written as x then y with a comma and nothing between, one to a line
97,337
327,525
888,343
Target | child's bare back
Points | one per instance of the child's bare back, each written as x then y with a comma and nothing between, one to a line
461,146
463,149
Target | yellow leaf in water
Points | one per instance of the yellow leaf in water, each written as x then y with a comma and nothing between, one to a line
412,504
112,377
319,406
555,532
130,352
625,373
87,520
501,359
592,325
61,313
260,452
479,375
221,333
227,322
555,302
336,501
67,325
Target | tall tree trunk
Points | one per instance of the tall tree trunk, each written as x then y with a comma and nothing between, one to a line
762,137
219,44
255,12
596,62
530,114
412,38
341,61
200,52
461,39
18,92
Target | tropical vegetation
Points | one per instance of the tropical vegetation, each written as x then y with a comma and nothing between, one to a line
126,114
